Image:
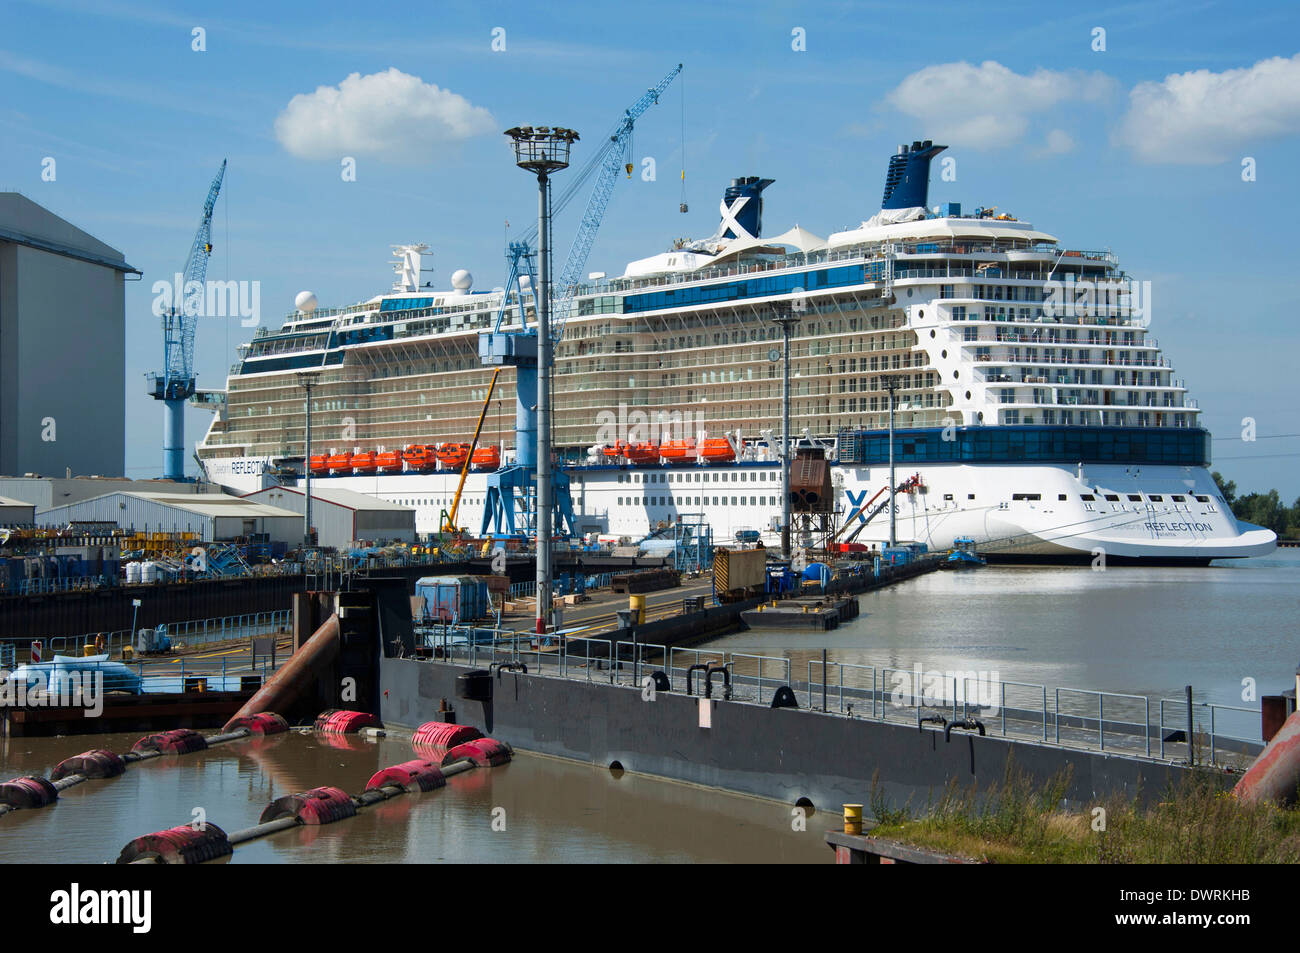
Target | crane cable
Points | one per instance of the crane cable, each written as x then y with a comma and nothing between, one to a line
683,207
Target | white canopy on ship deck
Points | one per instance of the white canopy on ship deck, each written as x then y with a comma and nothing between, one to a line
940,228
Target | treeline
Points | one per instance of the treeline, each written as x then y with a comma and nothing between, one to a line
1262,509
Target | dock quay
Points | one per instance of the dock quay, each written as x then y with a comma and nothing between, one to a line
189,709
865,849
802,612
752,732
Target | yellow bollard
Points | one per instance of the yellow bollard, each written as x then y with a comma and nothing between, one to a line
636,603
128,653
853,818
88,650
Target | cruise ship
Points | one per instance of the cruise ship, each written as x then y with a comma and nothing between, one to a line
1033,411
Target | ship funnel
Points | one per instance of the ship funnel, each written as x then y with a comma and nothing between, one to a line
742,207
907,183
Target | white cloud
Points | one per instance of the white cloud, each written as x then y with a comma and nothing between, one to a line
1059,142
391,114
989,105
1205,117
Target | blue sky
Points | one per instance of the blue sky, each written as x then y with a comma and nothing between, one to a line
1137,148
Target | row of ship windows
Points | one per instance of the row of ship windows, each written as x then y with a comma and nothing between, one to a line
1108,497
698,501
741,477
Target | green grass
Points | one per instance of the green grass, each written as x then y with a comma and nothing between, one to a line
1196,822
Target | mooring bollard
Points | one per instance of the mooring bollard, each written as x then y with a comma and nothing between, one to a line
853,818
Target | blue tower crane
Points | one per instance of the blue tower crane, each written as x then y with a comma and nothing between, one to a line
614,155
512,489
175,384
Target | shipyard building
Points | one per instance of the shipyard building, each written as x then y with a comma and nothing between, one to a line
210,516
62,345
342,517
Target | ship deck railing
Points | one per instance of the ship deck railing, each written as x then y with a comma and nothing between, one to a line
1139,726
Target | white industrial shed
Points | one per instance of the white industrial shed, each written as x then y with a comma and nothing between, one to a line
342,517
213,516
16,512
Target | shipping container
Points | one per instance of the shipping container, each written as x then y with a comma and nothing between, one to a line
739,573
454,598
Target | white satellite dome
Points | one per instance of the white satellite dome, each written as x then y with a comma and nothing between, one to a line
305,302
461,280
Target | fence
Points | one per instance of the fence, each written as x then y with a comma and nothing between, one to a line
194,632
144,678
1059,716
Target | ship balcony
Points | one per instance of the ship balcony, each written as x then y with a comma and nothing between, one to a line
1028,400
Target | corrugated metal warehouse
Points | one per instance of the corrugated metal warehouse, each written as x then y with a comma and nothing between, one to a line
213,516
46,492
344,516
16,512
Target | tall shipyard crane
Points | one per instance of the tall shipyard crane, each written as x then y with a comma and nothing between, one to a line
509,502
175,385
604,165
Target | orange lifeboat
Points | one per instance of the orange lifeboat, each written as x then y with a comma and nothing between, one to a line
677,452
717,450
420,457
641,454
363,462
319,463
389,461
452,455
486,458
338,462
612,454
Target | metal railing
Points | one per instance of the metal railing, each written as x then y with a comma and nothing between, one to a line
190,633
1059,716
153,677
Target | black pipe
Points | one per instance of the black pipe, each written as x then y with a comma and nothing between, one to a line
508,667
962,723
936,719
698,666
726,682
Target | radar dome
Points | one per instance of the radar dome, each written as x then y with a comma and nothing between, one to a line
461,280
305,302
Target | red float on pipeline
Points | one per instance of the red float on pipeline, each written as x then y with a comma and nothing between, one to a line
179,845
411,775
441,736
96,763
340,722
263,723
179,741
28,792
323,805
484,752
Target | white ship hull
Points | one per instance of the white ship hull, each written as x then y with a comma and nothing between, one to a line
1177,516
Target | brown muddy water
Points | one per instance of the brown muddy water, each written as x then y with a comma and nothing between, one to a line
554,811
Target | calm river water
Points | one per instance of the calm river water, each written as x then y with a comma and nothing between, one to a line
1135,630
554,811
